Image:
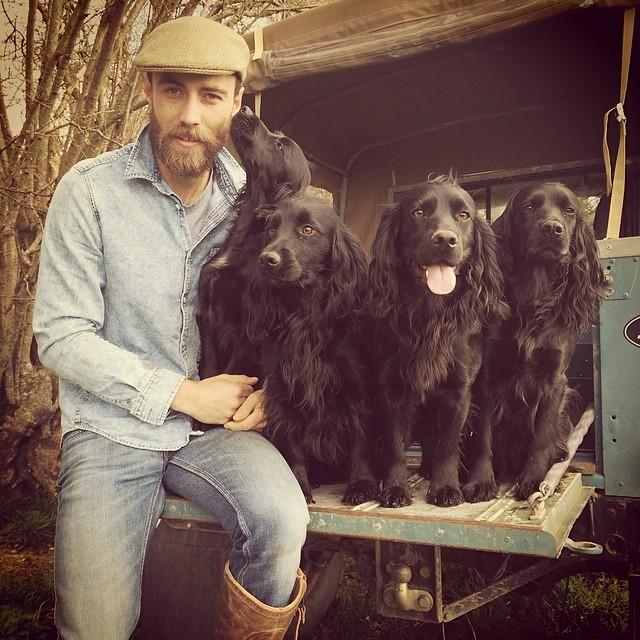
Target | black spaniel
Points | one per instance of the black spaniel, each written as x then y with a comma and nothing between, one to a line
549,259
434,286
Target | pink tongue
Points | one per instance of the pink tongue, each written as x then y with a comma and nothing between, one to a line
441,279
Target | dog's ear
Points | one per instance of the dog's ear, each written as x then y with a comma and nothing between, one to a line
585,279
383,276
503,231
485,275
264,211
348,279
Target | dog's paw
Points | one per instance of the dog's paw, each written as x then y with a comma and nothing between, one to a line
398,496
360,491
525,486
446,496
480,491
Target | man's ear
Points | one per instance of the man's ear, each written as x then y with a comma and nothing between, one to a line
237,101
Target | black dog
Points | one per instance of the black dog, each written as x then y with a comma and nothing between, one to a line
302,309
276,168
549,259
434,284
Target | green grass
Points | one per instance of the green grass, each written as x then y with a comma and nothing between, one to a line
27,522
26,607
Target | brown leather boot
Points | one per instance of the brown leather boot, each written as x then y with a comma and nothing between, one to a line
243,617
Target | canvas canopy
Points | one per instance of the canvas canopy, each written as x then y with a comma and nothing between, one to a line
382,93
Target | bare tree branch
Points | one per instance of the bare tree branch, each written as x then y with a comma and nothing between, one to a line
28,59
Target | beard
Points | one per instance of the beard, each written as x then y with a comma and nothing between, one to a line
187,163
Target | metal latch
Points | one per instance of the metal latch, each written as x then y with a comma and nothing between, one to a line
400,595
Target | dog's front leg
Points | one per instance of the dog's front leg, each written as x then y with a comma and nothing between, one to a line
363,484
396,426
453,409
481,482
544,444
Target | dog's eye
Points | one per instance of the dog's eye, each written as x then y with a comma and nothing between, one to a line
279,145
307,230
527,208
570,211
418,213
270,231
464,215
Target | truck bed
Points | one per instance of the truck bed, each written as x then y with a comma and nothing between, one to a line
500,525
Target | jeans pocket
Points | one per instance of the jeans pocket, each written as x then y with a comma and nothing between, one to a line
69,441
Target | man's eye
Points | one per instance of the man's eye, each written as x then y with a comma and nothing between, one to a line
172,91
308,230
211,97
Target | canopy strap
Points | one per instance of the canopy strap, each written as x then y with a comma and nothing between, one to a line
258,46
615,188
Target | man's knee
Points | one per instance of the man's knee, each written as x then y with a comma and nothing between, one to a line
282,526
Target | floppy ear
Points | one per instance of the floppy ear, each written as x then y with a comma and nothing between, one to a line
348,279
485,275
383,277
503,231
585,279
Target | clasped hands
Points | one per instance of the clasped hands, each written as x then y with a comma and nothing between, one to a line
227,399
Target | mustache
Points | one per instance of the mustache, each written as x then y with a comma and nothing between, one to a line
192,135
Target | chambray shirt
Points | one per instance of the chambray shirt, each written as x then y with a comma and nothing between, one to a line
115,309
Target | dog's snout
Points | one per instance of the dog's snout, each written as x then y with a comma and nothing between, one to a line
444,239
246,110
270,259
552,228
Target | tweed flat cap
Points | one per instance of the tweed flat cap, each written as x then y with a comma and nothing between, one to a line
194,44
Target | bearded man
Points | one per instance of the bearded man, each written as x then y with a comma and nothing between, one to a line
125,237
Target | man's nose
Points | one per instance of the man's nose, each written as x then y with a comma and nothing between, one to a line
191,114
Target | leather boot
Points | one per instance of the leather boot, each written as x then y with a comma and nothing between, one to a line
243,617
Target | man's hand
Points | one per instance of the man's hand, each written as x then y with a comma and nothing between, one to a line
213,400
250,416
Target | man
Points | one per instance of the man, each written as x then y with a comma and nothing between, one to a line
125,238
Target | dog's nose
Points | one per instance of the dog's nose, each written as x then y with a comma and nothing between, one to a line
552,228
246,110
270,259
445,239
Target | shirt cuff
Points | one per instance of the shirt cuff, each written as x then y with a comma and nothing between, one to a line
154,401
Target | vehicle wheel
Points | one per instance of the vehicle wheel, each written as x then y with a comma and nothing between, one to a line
323,569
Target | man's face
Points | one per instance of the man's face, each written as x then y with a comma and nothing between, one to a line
190,116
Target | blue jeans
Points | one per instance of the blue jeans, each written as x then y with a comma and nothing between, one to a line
111,497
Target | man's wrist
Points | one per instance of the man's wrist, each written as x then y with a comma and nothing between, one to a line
183,401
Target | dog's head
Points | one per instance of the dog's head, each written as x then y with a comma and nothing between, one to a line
306,244
542,225
436,223
274,163
541,220
436,237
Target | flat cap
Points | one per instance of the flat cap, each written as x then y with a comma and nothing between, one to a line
194,44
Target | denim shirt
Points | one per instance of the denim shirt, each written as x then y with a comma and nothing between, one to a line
116,301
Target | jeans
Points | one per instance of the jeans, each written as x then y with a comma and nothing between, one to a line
111,497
